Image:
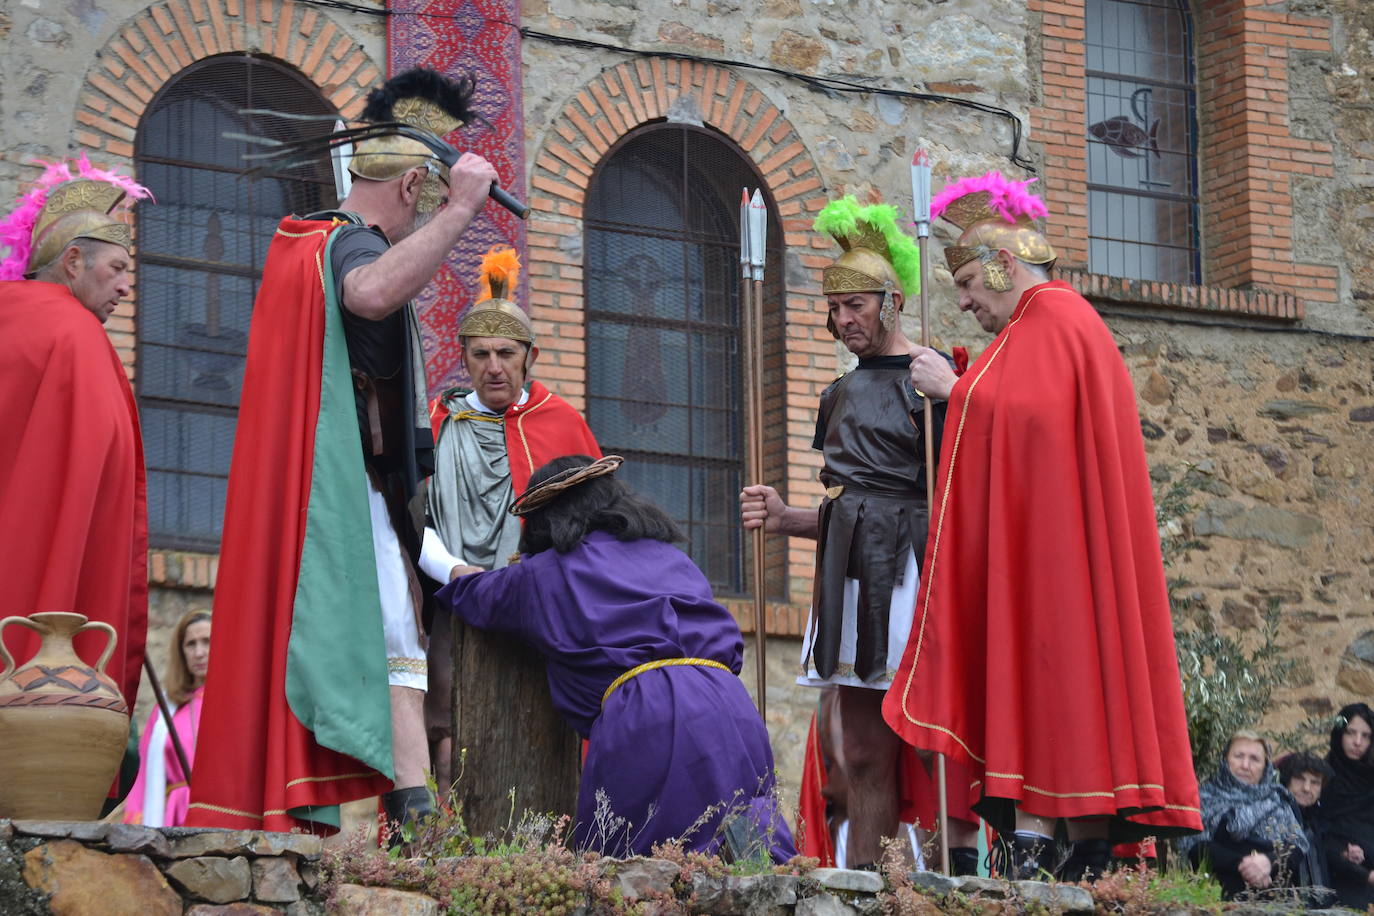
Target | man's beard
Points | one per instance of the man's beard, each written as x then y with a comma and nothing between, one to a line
421,220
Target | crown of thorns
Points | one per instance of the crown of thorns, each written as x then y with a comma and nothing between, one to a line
544,492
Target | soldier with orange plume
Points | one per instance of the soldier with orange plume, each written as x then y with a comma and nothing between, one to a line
489,439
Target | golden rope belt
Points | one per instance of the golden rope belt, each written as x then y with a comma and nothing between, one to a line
661,663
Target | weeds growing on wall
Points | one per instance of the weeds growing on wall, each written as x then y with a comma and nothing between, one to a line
528,866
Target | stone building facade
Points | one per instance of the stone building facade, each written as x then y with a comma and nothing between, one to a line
1253,366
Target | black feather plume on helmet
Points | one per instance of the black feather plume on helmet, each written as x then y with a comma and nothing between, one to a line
454,96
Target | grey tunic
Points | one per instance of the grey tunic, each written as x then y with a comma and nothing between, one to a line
471,490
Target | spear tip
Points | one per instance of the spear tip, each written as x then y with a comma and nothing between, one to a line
757,202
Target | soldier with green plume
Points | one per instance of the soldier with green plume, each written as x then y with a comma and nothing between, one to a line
870,529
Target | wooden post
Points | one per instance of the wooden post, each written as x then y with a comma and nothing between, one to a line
506,734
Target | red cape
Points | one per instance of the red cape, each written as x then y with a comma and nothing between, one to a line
255,761
545,427
73,498
1042,652
917,801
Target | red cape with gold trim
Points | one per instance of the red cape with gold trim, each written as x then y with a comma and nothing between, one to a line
296,715
1042,650
545,427
73,497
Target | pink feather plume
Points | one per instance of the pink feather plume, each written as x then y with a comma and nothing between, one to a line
16,230
1009,198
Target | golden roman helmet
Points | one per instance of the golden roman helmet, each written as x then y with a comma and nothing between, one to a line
994,212
423,99
876,256
494,314
80,209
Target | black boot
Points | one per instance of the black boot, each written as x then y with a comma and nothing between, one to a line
963,860
406,806
1087,861
1024,858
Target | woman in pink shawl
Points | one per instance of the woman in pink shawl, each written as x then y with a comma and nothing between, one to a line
162,790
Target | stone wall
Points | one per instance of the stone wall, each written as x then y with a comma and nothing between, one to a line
85,868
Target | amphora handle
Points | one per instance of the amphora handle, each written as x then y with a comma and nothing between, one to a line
5,653
109,645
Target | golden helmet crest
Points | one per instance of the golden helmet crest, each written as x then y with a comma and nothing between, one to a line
80,209
994,212
494,314
423,99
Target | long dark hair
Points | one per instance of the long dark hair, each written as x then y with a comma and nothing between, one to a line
1337,755
600,504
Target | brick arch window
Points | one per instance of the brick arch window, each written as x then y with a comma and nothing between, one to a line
1142,146
200,253
663,328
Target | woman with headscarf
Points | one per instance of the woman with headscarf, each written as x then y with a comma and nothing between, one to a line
642,662
1250,829
163,788
1348,806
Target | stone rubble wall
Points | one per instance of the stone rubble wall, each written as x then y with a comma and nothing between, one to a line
99,869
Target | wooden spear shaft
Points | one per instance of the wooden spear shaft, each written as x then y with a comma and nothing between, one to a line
166,717
928,418
755,323
750,294
920,199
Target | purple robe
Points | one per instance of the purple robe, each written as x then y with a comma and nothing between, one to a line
670,742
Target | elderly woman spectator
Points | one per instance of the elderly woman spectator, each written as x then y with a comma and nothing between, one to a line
1250,829
1304,775
1348,807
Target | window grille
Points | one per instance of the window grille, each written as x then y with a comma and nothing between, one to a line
201,248
1142,146
664,379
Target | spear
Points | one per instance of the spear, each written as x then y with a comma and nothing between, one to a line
750,293
758,234
161,698
920,197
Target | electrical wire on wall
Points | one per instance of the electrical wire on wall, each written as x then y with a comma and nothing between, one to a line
829,85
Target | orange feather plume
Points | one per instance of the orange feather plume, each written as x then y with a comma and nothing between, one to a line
500,272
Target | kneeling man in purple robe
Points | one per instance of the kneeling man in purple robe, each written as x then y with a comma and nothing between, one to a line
642,662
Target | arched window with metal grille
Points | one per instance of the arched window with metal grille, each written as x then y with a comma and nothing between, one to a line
200,253
1142,140
663,325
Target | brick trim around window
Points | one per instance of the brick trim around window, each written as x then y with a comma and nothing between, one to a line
615,102
166,38
1248,160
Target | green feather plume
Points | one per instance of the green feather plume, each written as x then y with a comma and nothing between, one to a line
842,217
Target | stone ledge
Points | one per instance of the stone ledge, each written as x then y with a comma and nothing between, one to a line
91,866
1271,305
76,868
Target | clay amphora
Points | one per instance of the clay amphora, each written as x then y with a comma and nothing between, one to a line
63,724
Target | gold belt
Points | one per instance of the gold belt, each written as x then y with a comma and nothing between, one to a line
661,663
